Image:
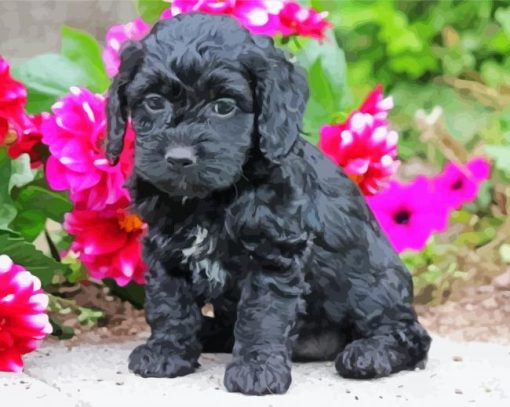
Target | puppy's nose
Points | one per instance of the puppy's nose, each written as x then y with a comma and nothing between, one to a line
179,157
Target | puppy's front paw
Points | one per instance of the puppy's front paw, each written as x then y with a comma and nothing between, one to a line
268,375
152,361
364,359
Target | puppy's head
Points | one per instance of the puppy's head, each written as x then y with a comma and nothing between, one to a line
202,92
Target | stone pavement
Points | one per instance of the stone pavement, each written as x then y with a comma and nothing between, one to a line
457,374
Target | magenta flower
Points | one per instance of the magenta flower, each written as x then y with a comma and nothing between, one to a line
298,20
108,243
364,145
258,16
460,184
409,213
118,35
74,135
23,319
13,97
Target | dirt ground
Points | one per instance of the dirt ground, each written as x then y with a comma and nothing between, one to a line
483,314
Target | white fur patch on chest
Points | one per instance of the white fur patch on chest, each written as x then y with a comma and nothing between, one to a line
200,258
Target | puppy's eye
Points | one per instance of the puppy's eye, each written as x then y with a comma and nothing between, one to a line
224,106
154,102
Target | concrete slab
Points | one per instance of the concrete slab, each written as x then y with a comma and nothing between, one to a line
457,374
19,389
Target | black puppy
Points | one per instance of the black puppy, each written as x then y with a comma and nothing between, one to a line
246,215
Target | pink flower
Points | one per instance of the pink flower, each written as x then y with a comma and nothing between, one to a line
295,19
409,213
74,135
255,15
108,243
460,184
364,145
29,141
23,319
13,97
118,35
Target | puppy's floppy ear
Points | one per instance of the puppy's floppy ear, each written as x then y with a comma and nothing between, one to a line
281,93
117,108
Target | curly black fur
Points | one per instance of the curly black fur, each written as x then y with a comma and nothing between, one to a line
250,218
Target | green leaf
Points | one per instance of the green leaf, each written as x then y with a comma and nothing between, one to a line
89,316
21,172
327,82
35,205
7,209
61,331
25,254
501,157
48,77
150,10
502,16
83,49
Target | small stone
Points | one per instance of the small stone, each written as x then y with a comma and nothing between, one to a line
490,303
457,359
485,289
502,282
458,391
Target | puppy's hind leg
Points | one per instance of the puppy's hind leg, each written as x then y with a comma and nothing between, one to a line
389,349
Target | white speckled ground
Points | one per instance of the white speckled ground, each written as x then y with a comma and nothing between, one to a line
457,374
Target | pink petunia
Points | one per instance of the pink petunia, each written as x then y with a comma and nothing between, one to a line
116,36
74,135
409,213
298,20
13,98
459,185
23,319
364,145
108,243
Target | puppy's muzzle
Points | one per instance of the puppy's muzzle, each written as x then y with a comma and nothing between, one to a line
180,157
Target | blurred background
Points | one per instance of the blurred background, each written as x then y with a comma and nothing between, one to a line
30,27
447,65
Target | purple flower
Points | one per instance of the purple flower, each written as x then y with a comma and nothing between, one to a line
460,184
409,213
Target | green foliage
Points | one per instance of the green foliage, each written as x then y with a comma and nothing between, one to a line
7,209
83,49
25,205
36,204
150,10
49,76
24,253
89,316
75,271
325,64
501,157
